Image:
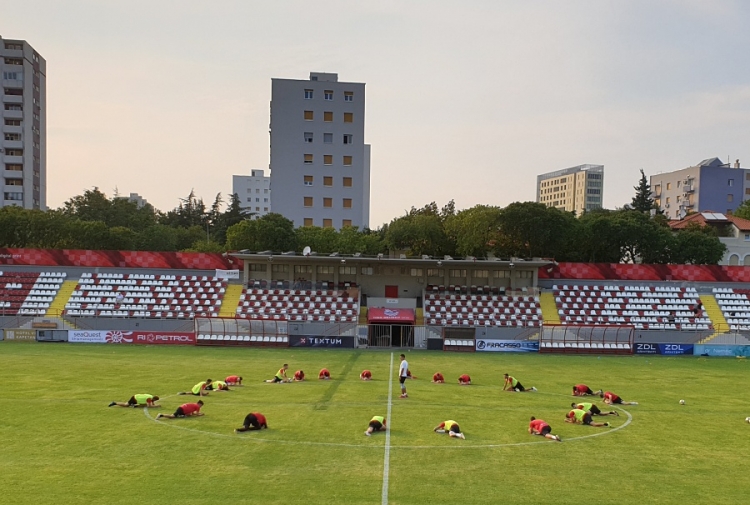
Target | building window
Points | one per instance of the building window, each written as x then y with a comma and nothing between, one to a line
347,182
308,180
730,197
308,137
668,198
12,122
308,221
347,203
525,274
308,115
257,190
328,159
347,270
14,196
13,106
747,237
325,269
347,161
302,269
346,222
13,137
328,95
14,152
14,167
747,191
308,201
348,96
265,191
678,184
328,223
328,202
256,267
308,159
279,269
328,117
457,273
249,200
308,94
14,91
435,272
501,274
347,138
328,138
730,182
669,186
348,117
367,271
14,182
481,274
257,209
328,181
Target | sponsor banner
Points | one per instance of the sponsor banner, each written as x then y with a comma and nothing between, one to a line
663,349
721,350
131,337
492,345
227,274
314,341
19,334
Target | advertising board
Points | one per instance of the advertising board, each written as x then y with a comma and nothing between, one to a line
663,349
131,337
494,345
315,341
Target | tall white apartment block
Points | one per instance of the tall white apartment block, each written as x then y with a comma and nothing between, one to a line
320,164
576,189
23,151
254,192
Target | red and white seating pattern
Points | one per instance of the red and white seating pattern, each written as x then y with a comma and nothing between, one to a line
645,307
28,293
481,310
735,305
297,305
146,295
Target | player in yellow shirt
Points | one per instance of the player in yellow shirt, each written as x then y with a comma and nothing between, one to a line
200,389
140,400
280,375
377,423
578,416
451,428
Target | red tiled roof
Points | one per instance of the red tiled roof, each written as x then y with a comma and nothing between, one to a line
698,218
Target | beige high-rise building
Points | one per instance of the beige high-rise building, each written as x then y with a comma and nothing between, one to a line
23,147
574,189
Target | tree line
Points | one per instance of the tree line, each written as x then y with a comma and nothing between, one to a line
635,233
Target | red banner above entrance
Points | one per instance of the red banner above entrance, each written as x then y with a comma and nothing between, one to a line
380,315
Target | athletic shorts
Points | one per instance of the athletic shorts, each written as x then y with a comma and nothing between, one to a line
455,429
587,392
587,419
595,410
197,394
251,420
546,430
519,387
179,412
375,425
132,401
276,379
619,400
402,379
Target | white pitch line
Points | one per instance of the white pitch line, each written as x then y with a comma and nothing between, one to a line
389,420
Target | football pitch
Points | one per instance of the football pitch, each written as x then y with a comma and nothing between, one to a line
62,445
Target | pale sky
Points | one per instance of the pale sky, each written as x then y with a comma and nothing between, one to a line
465,100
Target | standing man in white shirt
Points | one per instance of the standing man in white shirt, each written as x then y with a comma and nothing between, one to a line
403,374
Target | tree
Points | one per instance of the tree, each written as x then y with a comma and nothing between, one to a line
743,210
322,240
474,229
643,201
233,215
419,234
529,229
697,245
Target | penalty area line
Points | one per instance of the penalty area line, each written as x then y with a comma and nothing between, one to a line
387,452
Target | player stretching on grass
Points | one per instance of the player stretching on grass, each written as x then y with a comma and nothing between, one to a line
403,371
366,375
253,421
584,390
438,378
299,376
220,386
280,375
451,428
613,399
377,423
512,385
200,389
185,410
324,375
464,380
142,400
590,407
234,380
578,416
540,427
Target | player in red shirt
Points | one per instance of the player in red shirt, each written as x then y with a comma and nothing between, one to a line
324,374
366,375
409,375
438,378
613,399
464,380
299,376
185,410
539,427
234,380
584,390
253,421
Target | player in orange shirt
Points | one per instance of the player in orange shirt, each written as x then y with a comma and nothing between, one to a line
324,374
540,427
366,375
438,378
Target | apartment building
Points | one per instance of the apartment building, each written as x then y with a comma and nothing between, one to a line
576,189
23,151
711,185
320,164
254,192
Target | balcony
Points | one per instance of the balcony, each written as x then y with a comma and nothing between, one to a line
12,98
12,114
16,160
12,129
11,144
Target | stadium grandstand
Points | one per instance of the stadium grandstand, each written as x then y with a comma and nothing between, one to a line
444,303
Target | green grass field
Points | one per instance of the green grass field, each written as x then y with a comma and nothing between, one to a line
61,444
